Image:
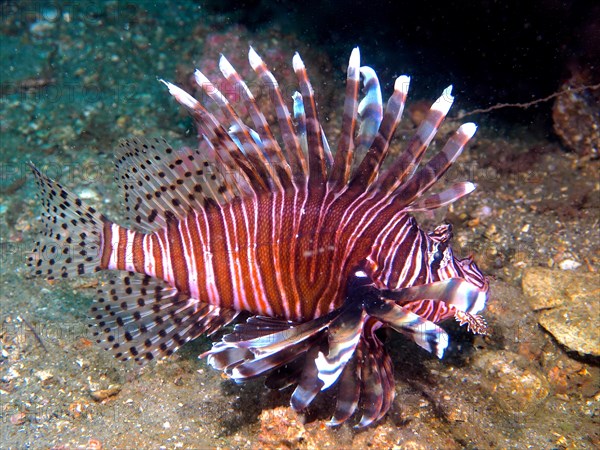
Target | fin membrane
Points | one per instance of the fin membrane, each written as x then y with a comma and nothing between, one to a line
72,234
157,179
140,317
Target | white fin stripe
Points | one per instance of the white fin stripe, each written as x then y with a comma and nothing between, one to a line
165,252
411,267
129,251
114,246
190,260
391,247
296,284
276,215
149,262
255,274
323,208
296,223
233,260
382,238
211,285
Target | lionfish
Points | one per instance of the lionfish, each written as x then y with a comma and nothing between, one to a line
319,248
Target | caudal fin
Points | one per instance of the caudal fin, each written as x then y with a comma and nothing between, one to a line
71,241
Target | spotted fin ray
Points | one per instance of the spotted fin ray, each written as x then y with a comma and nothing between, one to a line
71,242
139,317
157,179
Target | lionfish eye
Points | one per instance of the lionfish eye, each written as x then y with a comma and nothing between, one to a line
437,256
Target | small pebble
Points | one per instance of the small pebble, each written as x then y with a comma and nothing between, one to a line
41,27
18,419
568,264
87,194
103,394
44,376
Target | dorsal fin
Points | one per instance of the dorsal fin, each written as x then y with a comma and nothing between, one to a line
249,146
316,154
276,159
369,166
426,177
222,143
443,198
307,157
295,156
257,153
300,118
409,160
370,112
157,179
342,163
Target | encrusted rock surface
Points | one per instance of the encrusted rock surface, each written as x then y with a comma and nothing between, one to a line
515,387
576,116
570,304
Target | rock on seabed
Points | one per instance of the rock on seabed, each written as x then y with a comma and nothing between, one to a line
569,305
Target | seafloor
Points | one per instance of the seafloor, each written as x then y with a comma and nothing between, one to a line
77,79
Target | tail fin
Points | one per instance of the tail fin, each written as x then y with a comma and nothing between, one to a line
71,242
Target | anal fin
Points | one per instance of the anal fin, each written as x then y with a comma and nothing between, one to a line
142,318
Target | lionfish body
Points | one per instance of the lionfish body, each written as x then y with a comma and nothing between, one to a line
320,249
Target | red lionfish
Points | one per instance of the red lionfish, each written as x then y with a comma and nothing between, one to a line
319,248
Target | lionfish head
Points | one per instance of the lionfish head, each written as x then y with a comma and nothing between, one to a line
444,265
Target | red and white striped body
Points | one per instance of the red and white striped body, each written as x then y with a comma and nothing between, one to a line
279,255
